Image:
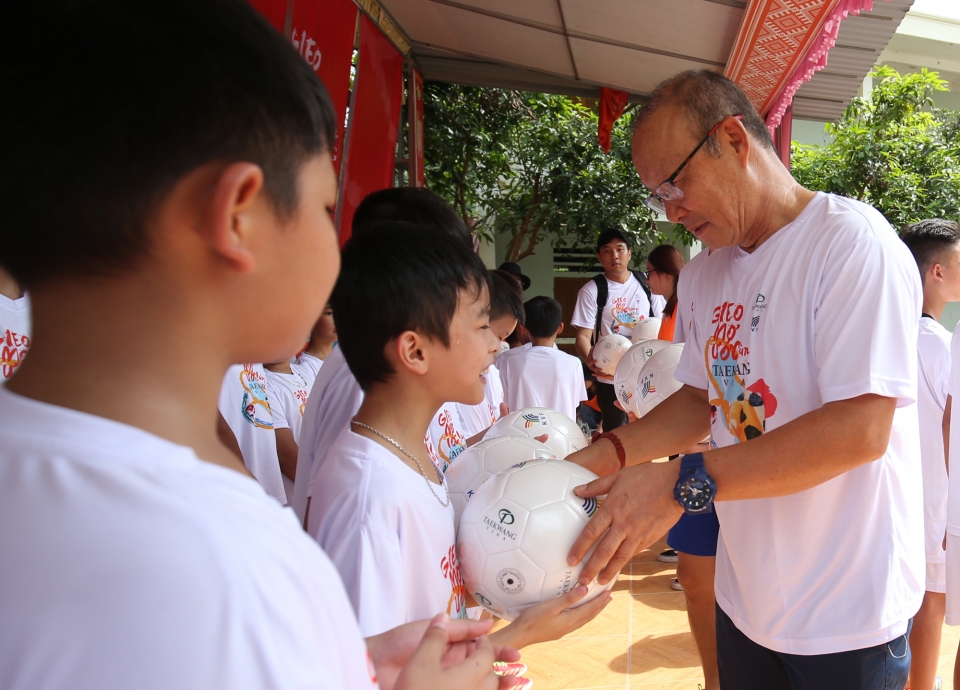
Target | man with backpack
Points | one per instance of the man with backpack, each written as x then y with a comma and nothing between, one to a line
614,302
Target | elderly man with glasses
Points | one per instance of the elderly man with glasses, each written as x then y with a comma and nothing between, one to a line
801,364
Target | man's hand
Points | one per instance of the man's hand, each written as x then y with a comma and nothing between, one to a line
396,649
638,510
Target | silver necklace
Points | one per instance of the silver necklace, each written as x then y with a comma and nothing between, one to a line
414,458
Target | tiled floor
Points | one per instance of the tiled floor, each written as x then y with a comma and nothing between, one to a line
642,640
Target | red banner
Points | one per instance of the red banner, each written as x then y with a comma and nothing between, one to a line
374,120
323,33
415,102
274,11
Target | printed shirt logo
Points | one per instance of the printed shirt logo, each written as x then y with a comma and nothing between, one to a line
623,317
255,407
13,349
450,567
743,408
451,442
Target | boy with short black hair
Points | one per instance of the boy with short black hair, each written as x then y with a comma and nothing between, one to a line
380,506
184,227
935,244
506,313
542,375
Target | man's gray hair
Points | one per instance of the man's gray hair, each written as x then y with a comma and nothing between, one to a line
707,98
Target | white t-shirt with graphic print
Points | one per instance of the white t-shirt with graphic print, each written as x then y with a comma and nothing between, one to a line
688,276
953,491
446,436
15,332
246,408
627,305
388,535
288,395
933,348
825,310
477,418
127,562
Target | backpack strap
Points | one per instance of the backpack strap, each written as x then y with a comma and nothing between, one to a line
602,292
646,288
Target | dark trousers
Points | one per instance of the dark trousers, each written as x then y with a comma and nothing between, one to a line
745,665
612,415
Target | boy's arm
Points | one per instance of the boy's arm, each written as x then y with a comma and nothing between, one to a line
287,452
582,346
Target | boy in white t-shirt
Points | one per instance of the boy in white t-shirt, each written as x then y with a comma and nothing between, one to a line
380,506
506,313
14,325
136,551
288,389
541,375
935,245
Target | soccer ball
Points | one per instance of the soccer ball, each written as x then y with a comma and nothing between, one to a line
647,329
553,429
627,377
516,532
608,351
482,460
657,382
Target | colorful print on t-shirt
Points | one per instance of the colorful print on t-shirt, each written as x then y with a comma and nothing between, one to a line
13,348
450,567
623,316
451,442
743,408
255,406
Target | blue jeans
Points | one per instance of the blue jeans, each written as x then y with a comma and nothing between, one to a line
745,665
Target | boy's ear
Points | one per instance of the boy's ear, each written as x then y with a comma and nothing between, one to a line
231,213
409,351
560,330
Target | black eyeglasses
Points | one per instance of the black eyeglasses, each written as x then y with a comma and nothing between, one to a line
666,190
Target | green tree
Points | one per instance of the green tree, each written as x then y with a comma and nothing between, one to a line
890,151
529,165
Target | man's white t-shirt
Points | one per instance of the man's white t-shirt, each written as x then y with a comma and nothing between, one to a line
543,377
246,408
388,535
933,347
333,402
446,437
127,562
477,418
627,305
15,330
688,276
825,310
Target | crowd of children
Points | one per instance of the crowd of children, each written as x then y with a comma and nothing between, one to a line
135,549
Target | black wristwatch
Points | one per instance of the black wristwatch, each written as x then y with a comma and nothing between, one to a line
695,489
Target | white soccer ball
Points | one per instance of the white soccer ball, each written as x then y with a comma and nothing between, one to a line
516,532
482,460
555,430
647,329
657,382
627,378
608,351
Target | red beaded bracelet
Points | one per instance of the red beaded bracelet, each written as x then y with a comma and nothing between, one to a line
621,453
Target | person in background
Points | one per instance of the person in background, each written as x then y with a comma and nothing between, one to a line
288,389
322,339
516,273
935,244
663,270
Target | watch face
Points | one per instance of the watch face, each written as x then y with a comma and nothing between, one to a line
695,494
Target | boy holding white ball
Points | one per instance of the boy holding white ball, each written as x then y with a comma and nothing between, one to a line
382,511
